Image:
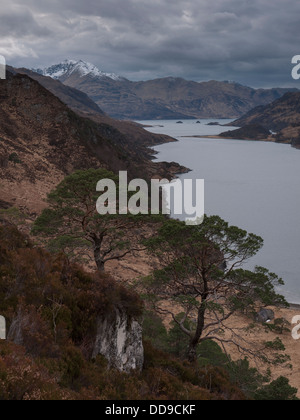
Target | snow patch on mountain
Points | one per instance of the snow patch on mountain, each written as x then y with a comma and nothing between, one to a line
82,68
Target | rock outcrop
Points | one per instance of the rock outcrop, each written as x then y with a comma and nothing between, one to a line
265,315
2,328
119,340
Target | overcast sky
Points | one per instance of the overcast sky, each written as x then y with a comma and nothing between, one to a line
248,41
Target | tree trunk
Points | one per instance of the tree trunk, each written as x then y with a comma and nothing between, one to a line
192,354
100,265
192,351
97,254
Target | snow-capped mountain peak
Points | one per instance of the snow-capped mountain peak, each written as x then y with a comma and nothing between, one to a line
82,68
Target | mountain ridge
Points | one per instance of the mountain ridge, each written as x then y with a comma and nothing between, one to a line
167,98
68,67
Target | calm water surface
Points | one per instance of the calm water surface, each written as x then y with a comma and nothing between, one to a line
253,185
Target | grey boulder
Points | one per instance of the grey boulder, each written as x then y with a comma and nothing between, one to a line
265,315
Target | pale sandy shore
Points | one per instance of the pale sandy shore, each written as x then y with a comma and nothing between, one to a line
269,140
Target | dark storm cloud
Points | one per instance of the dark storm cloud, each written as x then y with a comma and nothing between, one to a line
250,41
19,22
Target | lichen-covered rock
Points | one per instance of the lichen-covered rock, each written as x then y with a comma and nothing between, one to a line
2,328
15,333
119,340
265,315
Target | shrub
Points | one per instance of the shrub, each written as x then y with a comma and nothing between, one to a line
279,390
14,158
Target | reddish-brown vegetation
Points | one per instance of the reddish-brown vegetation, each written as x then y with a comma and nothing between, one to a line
51,307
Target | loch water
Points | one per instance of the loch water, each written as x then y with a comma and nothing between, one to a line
253,185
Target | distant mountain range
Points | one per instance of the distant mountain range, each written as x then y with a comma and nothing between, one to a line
166,98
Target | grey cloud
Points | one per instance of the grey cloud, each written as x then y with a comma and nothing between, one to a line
250,41
19,22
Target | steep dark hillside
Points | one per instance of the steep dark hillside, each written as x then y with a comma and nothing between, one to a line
281,116
131,136
42,140
74,98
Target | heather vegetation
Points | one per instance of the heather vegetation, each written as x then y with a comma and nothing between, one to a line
53,305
